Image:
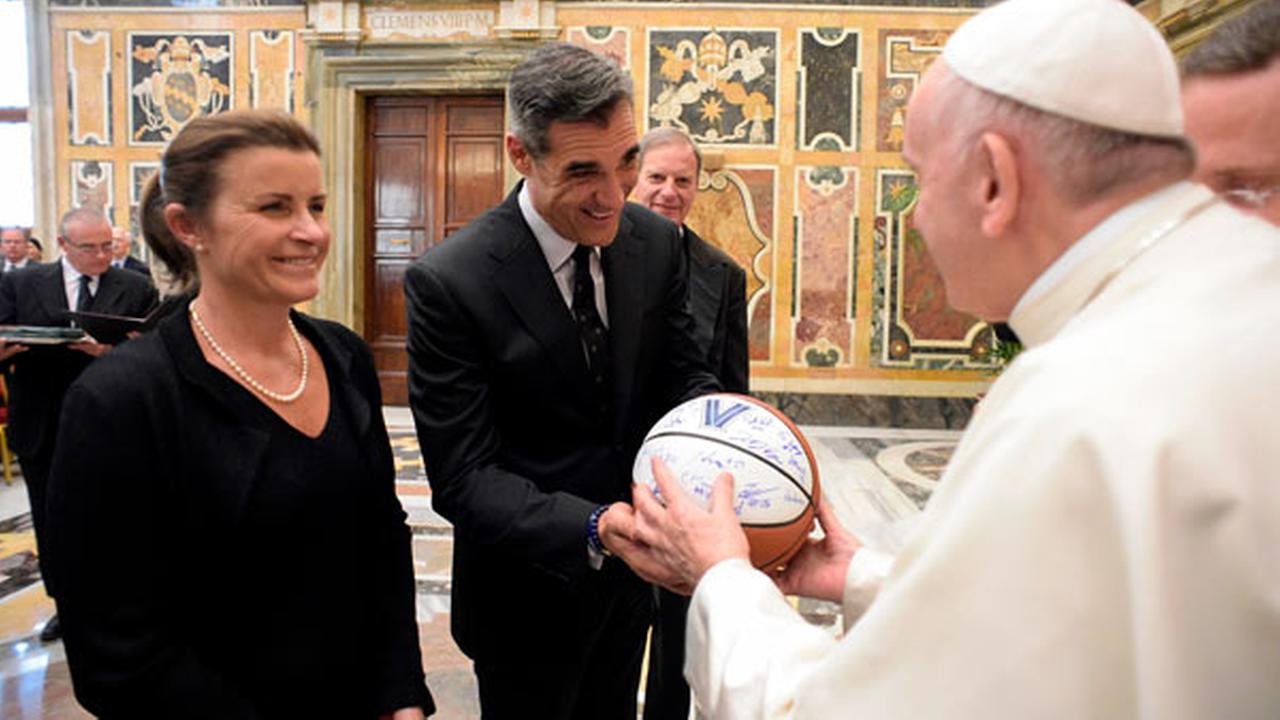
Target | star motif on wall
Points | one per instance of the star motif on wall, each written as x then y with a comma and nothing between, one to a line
711,110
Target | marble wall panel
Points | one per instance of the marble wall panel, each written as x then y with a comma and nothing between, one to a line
271,69
89,87
610,41
913,326
734,210
139,173
92,185
905,55
829,84
825,269
175,77
720,86
772,91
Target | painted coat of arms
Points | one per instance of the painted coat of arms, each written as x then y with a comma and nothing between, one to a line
174,79
720,87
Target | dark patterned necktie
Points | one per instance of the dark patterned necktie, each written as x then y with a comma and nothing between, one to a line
591,329
86,295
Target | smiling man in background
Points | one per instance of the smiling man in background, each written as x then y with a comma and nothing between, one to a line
670,164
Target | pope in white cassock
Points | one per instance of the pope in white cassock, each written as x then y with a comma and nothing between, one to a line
1105,542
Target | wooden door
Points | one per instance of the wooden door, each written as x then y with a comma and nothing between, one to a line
434,163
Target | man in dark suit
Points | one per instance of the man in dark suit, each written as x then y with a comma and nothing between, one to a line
40,375
14,245
670,164
121,258
545,338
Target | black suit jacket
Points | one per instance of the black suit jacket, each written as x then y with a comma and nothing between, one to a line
499,389
718,301
156,462
39,377
136,265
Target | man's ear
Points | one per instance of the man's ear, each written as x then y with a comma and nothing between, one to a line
1001,188
521,159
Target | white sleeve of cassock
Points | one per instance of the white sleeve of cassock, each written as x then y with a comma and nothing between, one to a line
747,649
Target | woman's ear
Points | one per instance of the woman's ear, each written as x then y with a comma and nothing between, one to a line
1001,188
181,224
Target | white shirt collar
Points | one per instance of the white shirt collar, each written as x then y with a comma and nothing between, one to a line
554,246
1091,244
71,282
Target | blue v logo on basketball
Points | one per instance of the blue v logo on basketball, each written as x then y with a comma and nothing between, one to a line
713,416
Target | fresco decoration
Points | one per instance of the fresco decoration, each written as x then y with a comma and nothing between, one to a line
734,211
912,324
720,86
610,41
906,54
830,77
826,229
187,4
271,69
89,87
92,183
174,78
139,174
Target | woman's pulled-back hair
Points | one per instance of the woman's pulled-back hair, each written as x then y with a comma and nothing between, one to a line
189,175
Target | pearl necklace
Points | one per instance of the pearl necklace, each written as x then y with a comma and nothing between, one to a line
278,397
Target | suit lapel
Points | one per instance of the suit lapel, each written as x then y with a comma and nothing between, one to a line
706,285
53,294
361,413
109,289
240,469
624,291
525,280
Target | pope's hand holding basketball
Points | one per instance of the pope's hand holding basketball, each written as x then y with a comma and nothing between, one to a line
686,539
820,568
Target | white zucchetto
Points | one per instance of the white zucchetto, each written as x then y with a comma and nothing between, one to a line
1096,61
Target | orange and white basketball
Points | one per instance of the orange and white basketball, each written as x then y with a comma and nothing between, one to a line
776,486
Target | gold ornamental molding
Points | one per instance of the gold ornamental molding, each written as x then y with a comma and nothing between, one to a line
1185,24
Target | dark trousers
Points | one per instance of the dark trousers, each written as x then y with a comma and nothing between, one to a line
593,673
666,695
35,474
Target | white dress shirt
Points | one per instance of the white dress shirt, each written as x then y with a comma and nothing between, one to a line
559,253
71,282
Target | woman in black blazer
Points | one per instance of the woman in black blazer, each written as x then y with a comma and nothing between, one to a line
223,488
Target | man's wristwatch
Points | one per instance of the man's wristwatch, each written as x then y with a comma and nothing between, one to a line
593,532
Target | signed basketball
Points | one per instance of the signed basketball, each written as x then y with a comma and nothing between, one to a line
775,476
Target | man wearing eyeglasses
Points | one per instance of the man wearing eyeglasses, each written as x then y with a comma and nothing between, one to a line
39,375
1231,99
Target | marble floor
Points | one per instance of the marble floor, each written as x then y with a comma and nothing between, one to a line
878,480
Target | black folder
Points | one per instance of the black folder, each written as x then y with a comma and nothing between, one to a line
110,329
